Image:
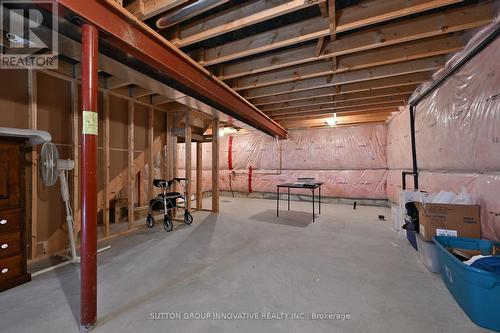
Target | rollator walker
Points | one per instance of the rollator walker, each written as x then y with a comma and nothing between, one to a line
167,202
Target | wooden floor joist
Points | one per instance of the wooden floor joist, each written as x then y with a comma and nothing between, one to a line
367,59
244,15
398,99
325,111
330,97
379,72
435,24
366,86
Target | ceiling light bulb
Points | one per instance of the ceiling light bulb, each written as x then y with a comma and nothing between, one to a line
332,121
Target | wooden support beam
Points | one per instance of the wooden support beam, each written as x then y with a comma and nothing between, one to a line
345,121
339,105
181,132
388,107
375,11
303,31
332,14
332,97
367,59
342,119
379,72
373,115
244,15
365,86
170,146
175,150
33,124
107,162
188,166
215,165
430,25
199,175
151,138
320,46
75,143
131,173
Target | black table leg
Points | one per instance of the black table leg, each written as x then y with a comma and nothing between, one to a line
278,202
313,205
319,189
288,198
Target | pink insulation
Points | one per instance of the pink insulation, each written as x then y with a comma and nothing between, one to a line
206,162
457,138
350,160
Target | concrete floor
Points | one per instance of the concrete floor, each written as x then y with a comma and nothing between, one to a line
247,260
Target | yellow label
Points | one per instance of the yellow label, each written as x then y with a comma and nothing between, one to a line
90,123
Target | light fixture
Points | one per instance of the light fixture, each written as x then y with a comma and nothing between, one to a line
227,130
332,121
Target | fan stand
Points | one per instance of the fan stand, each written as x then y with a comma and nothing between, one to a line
73,259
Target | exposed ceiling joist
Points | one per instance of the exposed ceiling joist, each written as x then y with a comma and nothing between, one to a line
330,97
385,71
449,20
376,11
340,104
329,112
362,61
366,86
387,55
339,109
374,117
244,15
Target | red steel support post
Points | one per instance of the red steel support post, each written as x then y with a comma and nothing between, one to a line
88,292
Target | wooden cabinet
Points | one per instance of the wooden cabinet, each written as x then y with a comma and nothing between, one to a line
13,270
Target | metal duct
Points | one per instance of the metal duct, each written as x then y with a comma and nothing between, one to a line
187,12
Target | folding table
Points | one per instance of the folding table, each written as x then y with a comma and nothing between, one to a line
312,187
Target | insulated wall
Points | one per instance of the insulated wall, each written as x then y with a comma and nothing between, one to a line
350,160
457,138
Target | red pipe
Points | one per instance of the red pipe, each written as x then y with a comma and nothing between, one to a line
230,153
88,292
250,170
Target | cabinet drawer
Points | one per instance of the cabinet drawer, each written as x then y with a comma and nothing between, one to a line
10,220
10,244
10,268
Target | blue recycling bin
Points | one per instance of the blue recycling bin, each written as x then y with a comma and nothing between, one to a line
476,291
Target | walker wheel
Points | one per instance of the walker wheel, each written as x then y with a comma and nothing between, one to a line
188,218
167,224
150,221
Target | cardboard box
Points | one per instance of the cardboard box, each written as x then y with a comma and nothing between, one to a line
448,220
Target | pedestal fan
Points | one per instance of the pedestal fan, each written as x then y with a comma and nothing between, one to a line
51,169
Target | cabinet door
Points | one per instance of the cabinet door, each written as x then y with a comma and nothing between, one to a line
10,184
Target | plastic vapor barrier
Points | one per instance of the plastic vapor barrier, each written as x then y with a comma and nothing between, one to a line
457,138
350,160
